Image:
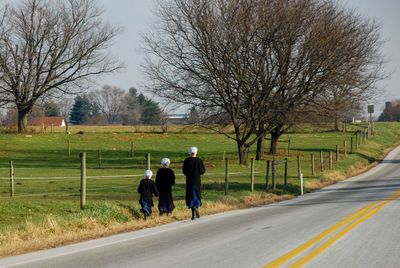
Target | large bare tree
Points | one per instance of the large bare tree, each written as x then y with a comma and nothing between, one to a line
198,56
51,46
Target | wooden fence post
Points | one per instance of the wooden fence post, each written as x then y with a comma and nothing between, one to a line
226,175
300,174
12,178
273,176
298,165
321,161
99,158
252,175
52,128
364,136
356,140
83,180
132,149
147,161
312,164
330,159
267,177
288,148
69,148
337,153
286,171
345,148
351,145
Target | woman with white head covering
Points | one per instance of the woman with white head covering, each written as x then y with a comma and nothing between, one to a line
193,167
165,178
147,189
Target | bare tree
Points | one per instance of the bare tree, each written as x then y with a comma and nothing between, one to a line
198,57
314,48
51,46
65,103
351,92
110,101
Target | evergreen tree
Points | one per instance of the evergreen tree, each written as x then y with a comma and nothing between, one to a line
82,107
151,112
132,99
138,106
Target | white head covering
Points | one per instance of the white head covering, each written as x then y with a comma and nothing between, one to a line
148,173
192,150
165,161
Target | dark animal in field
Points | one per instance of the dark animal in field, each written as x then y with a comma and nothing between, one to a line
80,133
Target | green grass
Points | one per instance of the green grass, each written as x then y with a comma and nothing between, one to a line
48,181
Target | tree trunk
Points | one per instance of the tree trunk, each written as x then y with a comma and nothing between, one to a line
274,142
337,121
260,149
242,153
22,119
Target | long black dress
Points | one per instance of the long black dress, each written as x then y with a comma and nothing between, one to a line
193,167
165,178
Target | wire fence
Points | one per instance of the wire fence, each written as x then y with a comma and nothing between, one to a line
106,185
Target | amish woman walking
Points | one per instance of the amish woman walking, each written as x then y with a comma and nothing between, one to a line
165,178
193,167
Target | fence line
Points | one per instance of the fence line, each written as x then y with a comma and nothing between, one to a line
115,176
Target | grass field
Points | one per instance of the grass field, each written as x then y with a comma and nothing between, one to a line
47,181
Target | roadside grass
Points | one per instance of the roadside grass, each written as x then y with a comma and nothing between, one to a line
45,210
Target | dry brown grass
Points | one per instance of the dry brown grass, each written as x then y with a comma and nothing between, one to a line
359,168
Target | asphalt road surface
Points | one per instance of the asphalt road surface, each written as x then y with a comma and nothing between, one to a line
355,223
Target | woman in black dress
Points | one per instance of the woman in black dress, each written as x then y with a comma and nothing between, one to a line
193,167
165,178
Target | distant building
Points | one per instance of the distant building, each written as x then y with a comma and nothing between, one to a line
47,121
178,119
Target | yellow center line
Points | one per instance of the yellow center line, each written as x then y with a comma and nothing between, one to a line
357,214
347,229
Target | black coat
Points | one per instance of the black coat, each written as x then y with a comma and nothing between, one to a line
146,189
193,167
165,178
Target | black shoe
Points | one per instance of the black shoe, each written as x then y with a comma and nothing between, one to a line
197,212
193,214
145,216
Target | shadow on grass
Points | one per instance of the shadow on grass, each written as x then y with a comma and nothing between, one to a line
134,211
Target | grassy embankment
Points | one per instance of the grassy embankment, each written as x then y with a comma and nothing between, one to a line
45,209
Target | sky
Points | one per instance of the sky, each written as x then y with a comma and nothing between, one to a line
136,17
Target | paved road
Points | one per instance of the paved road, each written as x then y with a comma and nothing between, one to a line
355,223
